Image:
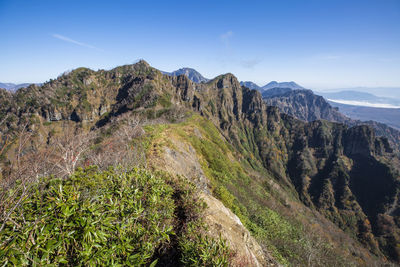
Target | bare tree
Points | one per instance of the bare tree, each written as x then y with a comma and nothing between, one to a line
119,149
19,179
68,149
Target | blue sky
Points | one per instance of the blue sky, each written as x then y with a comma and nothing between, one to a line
320,44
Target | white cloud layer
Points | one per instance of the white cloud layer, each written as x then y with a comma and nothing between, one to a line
363,103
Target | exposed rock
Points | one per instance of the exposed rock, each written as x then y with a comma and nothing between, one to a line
180,158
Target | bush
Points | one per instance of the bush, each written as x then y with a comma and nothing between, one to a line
104,218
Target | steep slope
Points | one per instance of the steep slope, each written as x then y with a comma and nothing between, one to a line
269,169
275,91
304,105
307,106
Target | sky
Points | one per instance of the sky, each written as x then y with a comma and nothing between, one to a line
320,44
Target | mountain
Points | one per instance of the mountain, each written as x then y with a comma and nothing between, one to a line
307,106
389,116
273,87
251,85
304,105
386,92
192,74
278,190
361,99
275,91
274,84
13,87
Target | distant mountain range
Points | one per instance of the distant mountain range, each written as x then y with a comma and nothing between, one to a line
290,85
13,87
357,98
274,84
389,92
251,85
192,74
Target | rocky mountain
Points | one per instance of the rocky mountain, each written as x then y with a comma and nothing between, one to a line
251,85
307,106
192,74
274,84
304,105
279,189
276,91
273,87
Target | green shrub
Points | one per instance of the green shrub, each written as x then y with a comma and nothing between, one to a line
200,250
91,219
107,218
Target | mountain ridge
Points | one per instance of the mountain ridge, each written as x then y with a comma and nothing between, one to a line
317,162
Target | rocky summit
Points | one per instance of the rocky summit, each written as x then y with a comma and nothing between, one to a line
278,190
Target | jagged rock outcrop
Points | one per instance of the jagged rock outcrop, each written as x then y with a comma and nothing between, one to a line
304,105
307,106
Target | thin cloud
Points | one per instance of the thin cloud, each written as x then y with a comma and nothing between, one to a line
250,63
328,56
69,40
226,37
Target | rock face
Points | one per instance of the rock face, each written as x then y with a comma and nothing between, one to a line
180,158
306,106
343,173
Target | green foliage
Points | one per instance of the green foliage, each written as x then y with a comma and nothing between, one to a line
165,100
106,218
246,196
201,250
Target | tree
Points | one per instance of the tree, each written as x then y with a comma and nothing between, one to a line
68,149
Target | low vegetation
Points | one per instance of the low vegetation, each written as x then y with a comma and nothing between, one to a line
108,218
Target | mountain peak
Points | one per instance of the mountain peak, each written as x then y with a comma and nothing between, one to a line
250,85
142,62
274,84
192,74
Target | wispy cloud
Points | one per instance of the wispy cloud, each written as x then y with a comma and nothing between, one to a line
69,40
250,63
226,37
328,56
